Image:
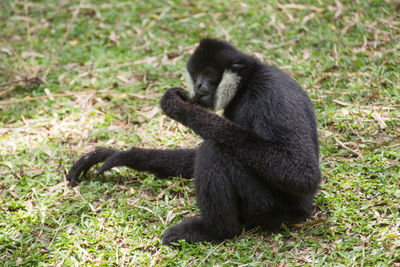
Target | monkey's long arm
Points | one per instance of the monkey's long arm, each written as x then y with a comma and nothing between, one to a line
301,173
164,163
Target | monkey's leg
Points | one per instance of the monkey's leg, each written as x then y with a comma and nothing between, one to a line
216,199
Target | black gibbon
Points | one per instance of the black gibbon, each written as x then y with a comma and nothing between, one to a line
258,164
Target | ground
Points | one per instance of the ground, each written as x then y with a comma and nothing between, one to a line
79,74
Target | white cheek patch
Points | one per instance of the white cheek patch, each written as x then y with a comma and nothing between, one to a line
226,90
189,84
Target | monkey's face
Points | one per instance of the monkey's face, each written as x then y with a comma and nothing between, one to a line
204,84
214,72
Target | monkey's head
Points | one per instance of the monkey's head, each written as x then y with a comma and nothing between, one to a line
214,73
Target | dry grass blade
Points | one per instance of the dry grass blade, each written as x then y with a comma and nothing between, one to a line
300,7
346,147
2,93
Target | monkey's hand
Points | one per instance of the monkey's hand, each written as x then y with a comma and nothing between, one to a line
86,162
176,103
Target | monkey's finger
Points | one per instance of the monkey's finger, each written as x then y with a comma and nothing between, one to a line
85,170
86,162
110,162
184,95
103,168
102,154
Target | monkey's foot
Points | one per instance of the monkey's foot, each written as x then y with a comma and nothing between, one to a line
194,230
190,230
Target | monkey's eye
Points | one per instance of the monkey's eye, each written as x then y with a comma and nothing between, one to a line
193,74
208,73
237,66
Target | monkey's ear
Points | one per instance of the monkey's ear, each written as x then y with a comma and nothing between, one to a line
237,66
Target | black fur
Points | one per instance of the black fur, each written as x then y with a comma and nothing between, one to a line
258,165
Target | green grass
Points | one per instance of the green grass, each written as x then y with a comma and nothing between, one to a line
74,76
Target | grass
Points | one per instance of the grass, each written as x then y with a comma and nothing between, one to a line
79,74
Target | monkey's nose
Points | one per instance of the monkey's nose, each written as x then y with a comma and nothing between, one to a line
198,86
